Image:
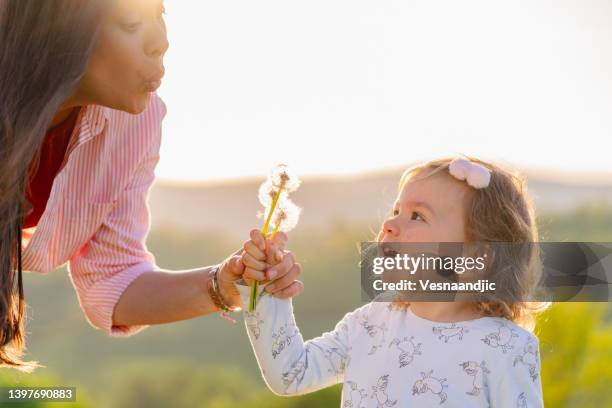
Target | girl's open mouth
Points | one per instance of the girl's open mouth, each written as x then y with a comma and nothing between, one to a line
388,251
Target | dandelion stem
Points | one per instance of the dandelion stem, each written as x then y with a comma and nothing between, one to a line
272,208
264,232
275,230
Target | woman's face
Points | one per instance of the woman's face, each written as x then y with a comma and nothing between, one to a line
127,61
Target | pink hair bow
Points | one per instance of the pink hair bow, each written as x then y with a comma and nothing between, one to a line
476,175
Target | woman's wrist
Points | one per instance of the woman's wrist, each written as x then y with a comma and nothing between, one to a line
220,300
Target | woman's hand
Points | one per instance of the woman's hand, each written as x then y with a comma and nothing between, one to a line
264,260
230,271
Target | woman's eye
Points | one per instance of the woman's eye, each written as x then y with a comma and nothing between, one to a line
416,216
395,213
131,27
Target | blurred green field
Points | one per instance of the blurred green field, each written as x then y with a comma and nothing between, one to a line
208,363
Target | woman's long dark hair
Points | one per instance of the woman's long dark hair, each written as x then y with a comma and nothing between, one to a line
44,51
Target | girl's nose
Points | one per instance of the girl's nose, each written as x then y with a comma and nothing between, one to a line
390,228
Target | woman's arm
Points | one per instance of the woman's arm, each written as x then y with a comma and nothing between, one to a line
289,365
163,296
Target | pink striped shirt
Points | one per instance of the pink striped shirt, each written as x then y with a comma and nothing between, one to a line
97,217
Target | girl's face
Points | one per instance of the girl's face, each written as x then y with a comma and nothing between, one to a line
127,61
430,209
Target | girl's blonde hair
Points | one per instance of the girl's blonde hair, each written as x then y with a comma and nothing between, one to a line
500,212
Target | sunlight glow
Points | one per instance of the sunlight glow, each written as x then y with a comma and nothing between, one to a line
346,86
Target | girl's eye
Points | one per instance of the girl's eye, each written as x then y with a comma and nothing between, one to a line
416,216
395,213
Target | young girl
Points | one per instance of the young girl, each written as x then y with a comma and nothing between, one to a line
454,354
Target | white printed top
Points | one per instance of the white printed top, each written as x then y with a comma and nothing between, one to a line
393,358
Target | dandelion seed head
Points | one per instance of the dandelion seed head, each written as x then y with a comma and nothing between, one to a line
287,216
280,216
267,192
282,177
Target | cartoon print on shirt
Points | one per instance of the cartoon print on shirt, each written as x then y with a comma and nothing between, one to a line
430,383
502,338
448,332
521,401
342,327
530,358
296,372
407,349
473,369
384,378
283,338
376,333
356,396
379,393
337,360
253,323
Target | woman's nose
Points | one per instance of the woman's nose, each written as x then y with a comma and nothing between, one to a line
157,43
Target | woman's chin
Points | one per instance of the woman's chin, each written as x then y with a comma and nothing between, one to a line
138,104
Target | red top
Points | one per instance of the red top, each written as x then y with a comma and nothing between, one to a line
52,154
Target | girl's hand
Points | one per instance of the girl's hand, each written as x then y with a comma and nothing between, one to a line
266,261
262,260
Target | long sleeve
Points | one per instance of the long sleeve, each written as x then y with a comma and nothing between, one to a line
289,365
519,384
116,254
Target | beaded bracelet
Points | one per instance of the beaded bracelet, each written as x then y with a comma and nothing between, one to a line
215,295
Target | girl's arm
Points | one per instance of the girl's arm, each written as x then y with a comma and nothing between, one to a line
519,383
289,365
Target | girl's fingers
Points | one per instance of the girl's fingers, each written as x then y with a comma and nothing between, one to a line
280,240
258,239
250,248
278,256
295,289
273,254
281,269
275,248
285,281
253,263
251,274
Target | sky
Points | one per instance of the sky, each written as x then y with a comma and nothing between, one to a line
338,87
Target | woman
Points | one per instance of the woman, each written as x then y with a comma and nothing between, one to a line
80,130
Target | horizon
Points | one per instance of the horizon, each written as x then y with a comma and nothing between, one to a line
548,174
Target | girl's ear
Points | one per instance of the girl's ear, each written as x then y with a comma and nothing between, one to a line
449,252
483,255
